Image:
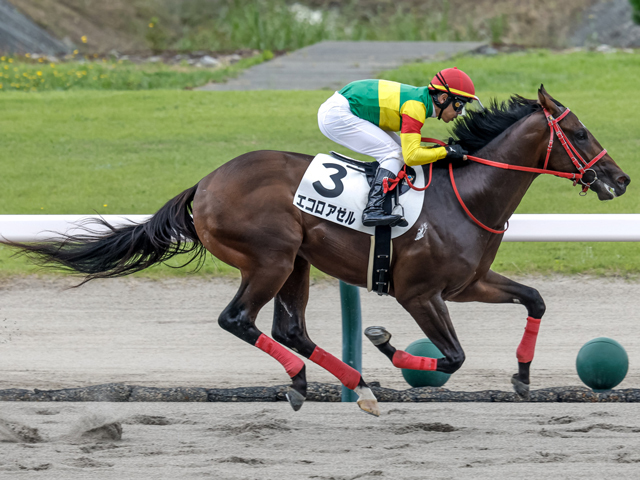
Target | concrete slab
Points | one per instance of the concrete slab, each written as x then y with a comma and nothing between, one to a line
331,65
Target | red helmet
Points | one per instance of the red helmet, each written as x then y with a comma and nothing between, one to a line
454,81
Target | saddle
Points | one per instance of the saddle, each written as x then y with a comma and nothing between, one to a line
381,250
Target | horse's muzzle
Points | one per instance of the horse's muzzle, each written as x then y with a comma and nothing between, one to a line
612,182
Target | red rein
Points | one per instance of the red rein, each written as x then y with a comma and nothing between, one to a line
581,164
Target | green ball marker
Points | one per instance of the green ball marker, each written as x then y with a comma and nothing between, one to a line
602,363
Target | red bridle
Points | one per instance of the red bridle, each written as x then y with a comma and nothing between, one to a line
581,164
554,126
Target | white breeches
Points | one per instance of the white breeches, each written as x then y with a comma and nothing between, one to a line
338,123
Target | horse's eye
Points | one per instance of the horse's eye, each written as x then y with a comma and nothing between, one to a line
581,135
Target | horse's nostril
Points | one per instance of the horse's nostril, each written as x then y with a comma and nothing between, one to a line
623,180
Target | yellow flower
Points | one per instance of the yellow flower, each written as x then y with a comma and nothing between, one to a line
104,205
3,58
151,25
0,86
75,52
28,55
39,74
11,60
52,65
84,39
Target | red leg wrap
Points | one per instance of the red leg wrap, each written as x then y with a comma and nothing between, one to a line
527,345
406,360
289,361
349,376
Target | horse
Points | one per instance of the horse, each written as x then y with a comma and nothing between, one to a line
244,214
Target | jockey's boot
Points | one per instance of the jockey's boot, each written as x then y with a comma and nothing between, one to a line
373,214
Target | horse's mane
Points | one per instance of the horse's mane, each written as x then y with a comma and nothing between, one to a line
479,127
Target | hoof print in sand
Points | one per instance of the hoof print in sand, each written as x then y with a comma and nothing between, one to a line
14,432
247,461
425,427
109,431
151,420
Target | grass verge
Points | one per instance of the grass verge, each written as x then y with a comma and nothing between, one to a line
25,75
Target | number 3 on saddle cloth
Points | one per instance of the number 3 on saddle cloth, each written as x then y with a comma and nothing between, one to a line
336,188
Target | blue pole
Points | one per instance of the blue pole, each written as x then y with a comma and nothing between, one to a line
351,333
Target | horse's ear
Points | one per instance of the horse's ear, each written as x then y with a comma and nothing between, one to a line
547,102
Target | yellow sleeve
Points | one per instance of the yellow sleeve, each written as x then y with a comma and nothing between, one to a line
414,154
413,117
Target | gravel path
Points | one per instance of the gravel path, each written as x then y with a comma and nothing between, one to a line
331,65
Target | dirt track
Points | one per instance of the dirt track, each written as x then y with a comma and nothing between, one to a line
165,333
322,441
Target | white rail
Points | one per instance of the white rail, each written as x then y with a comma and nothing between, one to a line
522,227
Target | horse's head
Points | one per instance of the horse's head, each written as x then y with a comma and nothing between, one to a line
578,150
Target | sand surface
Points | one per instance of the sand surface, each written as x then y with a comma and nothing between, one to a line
165,333
322,441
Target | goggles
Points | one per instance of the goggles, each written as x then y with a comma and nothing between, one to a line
459,104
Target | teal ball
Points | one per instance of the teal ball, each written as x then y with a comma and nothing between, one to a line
602,363
421,378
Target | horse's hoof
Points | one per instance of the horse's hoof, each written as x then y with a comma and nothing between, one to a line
369,406
521,388
295,399
367,400
377,335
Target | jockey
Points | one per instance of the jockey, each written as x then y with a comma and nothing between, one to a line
364,115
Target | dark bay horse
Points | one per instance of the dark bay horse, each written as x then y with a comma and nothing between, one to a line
244,214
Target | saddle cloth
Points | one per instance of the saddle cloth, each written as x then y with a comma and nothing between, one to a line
336,189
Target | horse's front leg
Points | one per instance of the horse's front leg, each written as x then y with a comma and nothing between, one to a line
432,316
494,288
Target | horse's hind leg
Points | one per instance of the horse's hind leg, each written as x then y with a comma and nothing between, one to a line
289,329
258,286
494,288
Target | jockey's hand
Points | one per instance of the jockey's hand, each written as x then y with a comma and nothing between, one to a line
455,152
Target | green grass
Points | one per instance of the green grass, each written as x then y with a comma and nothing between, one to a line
83,152
23,74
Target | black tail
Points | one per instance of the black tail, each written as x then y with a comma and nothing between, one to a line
126,249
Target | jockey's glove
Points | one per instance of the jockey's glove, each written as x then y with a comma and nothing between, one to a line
455,152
